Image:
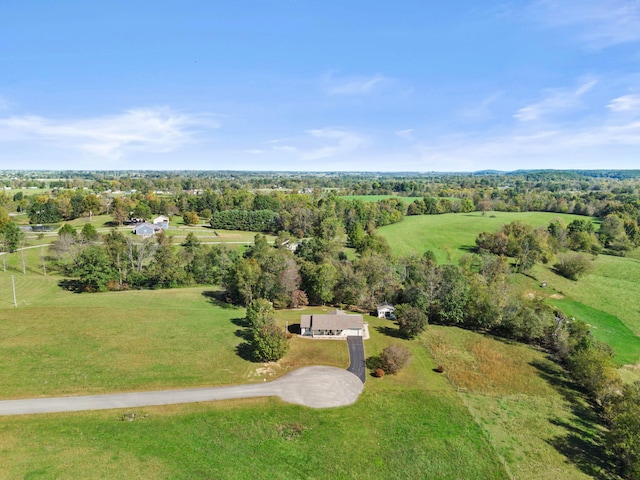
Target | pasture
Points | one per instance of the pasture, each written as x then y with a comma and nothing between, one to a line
535,420
451,235
377,198
61,343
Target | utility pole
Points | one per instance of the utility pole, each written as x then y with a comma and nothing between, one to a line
44,265
13,284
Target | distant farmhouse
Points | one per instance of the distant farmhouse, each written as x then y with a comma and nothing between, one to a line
386,310
334,324
147,229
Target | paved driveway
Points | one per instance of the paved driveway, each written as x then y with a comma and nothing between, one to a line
316,387
356,354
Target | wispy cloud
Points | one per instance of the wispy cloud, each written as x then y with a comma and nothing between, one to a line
362,85
153,130
625,103
555,100
596,23
405,134
545,148
481,110
321,143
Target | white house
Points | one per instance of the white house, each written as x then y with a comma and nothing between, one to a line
332,324
162,221
386,310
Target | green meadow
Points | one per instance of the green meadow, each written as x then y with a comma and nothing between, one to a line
608,298
500,410
377,198
61,343
451,235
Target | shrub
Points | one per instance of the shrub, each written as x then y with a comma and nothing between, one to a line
379,372
394,358
269,343
573,266
440,369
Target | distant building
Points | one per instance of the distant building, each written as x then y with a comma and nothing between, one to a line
146,229
386,310
161,221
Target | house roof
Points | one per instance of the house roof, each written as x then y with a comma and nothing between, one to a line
145,226
160,219
336,320
384,305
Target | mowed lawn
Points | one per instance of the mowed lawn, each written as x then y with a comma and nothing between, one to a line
410,426
452,235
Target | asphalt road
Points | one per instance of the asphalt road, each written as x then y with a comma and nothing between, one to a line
316,387
356,354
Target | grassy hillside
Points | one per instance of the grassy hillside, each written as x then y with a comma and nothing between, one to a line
525,403
451,235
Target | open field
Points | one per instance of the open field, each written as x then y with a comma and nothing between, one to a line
58,342
535,419
451,235
377,198
608,299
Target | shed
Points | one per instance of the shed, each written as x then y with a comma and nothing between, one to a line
386,310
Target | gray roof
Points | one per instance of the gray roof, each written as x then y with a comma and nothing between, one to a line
336,320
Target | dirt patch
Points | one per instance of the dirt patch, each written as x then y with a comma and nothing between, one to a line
556,296
632,367
267,370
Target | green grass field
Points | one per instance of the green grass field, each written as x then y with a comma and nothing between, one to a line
608,298
60,343
523,401
377,198
501,409
452,235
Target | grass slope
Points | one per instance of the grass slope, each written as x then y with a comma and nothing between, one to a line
606,328
451,235
531,412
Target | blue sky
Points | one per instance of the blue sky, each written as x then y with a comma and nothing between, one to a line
353,85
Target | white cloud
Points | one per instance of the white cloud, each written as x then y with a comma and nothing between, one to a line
597,23
556,100
608,144
329,142
406,134
354,85
626,103
155,130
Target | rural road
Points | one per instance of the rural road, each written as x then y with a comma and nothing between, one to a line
316,387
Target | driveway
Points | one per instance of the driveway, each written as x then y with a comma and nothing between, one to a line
316,387
356,354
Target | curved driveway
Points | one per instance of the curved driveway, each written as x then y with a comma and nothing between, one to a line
316,387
